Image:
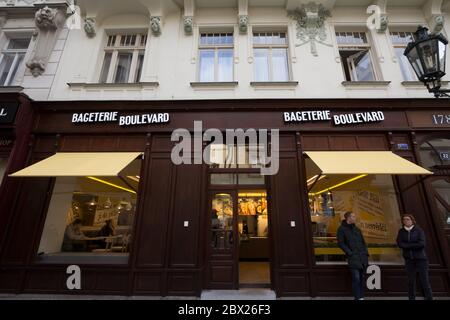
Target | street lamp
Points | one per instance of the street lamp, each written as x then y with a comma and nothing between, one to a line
427,57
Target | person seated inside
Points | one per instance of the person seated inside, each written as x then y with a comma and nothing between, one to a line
106,231
74,238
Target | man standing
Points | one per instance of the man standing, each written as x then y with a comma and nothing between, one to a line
351,241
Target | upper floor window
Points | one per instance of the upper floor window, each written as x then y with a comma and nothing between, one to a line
11,58
123,59
215,57
400,40
356,56
270,50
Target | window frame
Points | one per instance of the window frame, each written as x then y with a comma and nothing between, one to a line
402,46
11,77
114,48
270,48
364,46
216,48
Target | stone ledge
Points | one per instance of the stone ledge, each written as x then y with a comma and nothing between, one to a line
137,85
365,84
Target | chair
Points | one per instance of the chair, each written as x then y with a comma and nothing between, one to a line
124,246
109,244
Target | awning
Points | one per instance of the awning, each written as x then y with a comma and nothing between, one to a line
79,164
363,162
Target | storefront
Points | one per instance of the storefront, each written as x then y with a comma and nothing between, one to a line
16,118
102,190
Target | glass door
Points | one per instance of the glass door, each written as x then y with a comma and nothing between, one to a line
222,240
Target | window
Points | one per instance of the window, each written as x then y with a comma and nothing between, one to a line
123,59
270,50
216,57
436,153
356,56
400,40
236,155
12,57
91,217
371,197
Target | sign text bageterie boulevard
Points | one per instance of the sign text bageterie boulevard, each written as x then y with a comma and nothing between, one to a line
338,119
123,120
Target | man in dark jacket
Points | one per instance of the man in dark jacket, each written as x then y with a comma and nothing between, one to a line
351,241
411,239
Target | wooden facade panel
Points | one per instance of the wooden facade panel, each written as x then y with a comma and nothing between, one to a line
104,144
75,144
372,143
147,283
112,281
162,143
315,142
10,280
20,241
338,282
186,209
43,280
154,214
221,274
343,143
45,144
294,284
287,143
288,227
132,143
182,283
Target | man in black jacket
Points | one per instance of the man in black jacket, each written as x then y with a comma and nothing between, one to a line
411,239
351,241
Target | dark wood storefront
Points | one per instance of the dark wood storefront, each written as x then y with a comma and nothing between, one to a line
167,258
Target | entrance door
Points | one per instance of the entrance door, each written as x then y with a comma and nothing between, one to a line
223,240
238,240
253,231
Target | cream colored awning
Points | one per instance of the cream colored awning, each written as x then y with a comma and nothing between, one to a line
79,164
363,162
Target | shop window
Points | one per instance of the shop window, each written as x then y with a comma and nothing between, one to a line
237,179
215,57
270,51
435,154
12,58
236,156
356,56
123,59
371,197
399,41
91,217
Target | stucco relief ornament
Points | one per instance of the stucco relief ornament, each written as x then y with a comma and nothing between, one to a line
155,25
89,27
310,20
188,25
45,18
243,23
439,23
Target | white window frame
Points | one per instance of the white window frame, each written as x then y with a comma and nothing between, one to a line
216,48
357,46
402,46
270,47
11,77
116,48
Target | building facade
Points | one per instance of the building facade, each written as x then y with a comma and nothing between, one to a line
95,183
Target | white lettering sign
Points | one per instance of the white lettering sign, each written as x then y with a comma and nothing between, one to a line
338,119
125,120
3,112
74,280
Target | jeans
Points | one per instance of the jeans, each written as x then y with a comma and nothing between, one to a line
421,266
358,283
